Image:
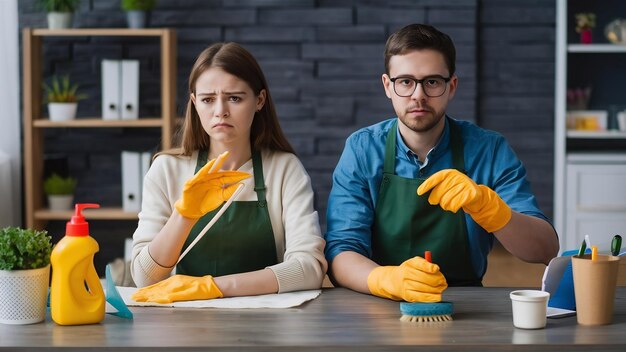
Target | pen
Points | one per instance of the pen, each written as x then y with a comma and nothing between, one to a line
616,244
594,253
588,241
583,247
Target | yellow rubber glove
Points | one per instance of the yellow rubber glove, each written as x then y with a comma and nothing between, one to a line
415,280
207,189
179,288
453,190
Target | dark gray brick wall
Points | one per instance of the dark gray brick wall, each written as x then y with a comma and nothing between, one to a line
516,84
323,60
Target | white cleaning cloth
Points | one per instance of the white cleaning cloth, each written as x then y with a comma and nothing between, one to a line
276,300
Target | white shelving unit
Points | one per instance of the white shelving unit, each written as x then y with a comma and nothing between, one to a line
589,186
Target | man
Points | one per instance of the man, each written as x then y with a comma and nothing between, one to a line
424,181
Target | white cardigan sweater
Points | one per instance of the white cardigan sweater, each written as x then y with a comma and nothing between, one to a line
299,243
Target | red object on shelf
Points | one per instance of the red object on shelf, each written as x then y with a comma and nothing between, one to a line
586,36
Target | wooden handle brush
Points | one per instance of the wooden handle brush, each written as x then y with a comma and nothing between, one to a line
420,312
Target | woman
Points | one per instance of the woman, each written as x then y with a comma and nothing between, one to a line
269,239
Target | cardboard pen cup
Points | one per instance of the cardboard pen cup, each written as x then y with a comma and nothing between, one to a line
595,282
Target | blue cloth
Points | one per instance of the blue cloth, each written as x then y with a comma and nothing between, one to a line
489,160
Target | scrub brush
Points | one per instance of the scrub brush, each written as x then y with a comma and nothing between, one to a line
420,312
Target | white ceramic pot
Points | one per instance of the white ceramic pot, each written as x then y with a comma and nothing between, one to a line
61,202
59,20
138,18
23,295
62,111
529,308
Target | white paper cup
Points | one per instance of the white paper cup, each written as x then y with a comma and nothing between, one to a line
529,308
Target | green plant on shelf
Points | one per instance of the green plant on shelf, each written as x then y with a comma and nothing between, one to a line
140,5
585,21
57,185
61,90
23,249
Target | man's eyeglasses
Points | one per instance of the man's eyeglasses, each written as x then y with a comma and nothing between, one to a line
433,86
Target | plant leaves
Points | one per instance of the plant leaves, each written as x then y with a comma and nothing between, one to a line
22,249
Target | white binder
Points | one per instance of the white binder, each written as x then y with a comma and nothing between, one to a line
111,70
131,181
130,90
146,158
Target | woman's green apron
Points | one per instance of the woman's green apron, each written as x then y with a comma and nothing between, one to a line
406,225
241,240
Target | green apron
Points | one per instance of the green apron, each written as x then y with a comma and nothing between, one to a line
406,225
241,240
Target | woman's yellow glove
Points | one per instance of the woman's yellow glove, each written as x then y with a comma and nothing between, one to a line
453,190
179,288
415,280
208,189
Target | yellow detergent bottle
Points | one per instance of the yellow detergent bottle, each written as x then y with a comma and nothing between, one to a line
76,295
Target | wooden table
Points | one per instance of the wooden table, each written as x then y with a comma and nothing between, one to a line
337,320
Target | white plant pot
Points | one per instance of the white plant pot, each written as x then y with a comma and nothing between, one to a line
61,202
138,18
23,295
62,111
59,20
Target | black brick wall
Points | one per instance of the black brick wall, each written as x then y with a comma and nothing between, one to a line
323,60
516,86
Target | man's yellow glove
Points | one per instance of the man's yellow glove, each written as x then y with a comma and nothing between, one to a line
179,288
453,190
415,280
208,189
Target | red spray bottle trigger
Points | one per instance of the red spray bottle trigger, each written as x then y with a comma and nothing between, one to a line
77,226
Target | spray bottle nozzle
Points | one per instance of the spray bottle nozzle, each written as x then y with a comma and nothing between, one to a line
77,226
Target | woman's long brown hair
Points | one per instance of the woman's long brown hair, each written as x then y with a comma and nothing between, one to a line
237,61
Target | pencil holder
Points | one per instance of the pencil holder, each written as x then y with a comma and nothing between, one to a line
594,286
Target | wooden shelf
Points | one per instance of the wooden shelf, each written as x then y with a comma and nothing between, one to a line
96,122
33,124
95,32
91,214
596,48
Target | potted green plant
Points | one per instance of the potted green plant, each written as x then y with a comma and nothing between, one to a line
62,98
138,12
24,275
60,191
585,22
59,12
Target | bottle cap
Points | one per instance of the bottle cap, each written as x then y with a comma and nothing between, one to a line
77,226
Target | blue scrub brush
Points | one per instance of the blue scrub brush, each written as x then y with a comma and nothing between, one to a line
420,312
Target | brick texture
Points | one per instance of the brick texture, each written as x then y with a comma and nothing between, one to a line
323,60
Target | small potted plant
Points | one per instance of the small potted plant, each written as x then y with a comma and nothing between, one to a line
60,191
24,275
59,12
62,98
138,12
585,22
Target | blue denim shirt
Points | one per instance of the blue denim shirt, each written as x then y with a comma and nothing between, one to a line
489,160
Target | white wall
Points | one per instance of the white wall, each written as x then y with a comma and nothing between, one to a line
10,118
